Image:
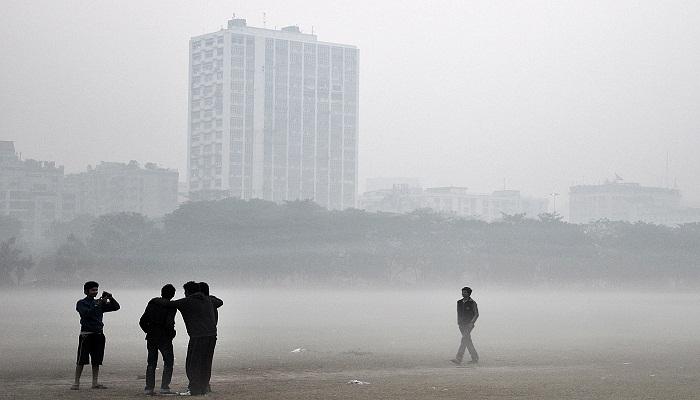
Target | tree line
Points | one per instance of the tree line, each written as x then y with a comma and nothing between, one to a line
257,242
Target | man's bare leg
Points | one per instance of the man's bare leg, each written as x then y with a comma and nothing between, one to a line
78,372
95,376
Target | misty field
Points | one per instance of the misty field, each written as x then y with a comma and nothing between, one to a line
533,345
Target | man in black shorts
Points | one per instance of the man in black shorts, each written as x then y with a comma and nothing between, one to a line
91,342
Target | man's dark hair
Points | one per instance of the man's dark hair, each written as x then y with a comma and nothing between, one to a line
168,291
204,288
89,285
468,289
191,287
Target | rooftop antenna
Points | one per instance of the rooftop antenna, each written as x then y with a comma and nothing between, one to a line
264,20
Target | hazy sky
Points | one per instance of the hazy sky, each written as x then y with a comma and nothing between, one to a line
542,94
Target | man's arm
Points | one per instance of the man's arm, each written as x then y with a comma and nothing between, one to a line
476,314
216,302
170,303
110,304
460,312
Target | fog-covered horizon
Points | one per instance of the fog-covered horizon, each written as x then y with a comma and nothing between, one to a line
541,95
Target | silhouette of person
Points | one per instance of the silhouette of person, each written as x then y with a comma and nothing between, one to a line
91,341
197,311
467,314
159,324
204,287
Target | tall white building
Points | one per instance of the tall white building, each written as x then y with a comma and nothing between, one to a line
273,114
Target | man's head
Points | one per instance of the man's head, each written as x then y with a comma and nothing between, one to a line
191,287
204,288
466,292
91,288
167,292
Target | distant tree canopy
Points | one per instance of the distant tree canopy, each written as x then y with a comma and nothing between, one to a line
260,242
13,265
80,227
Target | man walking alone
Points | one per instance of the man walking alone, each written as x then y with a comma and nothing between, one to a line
467,314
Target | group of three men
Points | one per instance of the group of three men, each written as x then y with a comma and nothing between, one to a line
199,312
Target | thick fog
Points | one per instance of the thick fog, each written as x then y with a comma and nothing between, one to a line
539,94
326,287
626,337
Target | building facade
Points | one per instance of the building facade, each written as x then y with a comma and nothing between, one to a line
30,191
625,201
453,201
273,114
118,187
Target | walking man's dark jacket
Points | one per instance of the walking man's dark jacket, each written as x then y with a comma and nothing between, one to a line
91,312
158,321
467,311
198,312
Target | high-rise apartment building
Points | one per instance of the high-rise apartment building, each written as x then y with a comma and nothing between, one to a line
273,114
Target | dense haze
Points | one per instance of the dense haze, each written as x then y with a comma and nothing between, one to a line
400,329
541,94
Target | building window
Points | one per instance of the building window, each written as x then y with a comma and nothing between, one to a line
196,44
219,51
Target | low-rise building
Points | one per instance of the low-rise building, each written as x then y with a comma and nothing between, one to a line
30,191
118,187
453,200
627,201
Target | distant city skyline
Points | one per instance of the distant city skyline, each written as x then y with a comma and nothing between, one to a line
542,95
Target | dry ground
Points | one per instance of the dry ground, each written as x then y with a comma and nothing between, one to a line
553,346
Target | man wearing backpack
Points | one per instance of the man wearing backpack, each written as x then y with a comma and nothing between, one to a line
159,324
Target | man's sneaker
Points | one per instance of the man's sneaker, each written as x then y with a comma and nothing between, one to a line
149,392
99,386
456,361
166,392
187,393
75,386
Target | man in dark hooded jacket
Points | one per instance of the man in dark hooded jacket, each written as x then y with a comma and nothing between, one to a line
159,324
197,311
